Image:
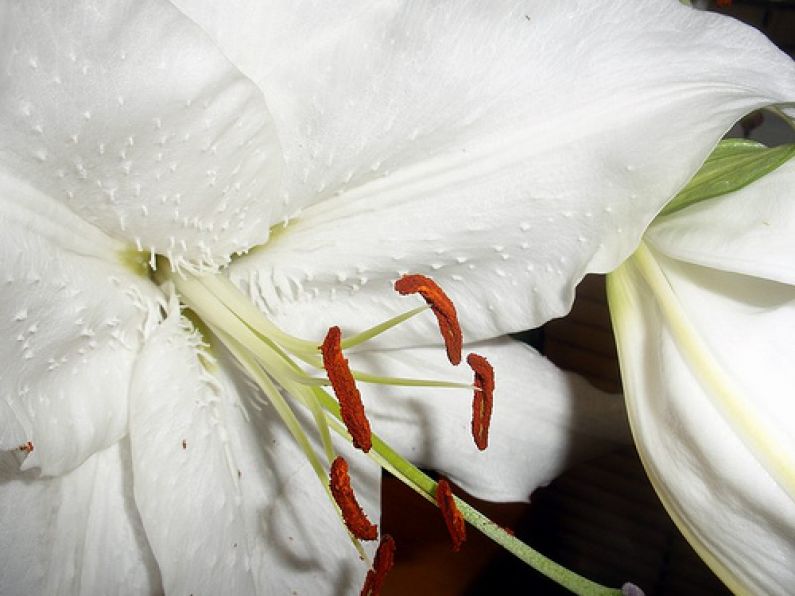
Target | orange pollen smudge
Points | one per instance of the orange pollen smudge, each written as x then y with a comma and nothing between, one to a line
352,513
442,307
483,401
384,559
344,386
26,447
452,516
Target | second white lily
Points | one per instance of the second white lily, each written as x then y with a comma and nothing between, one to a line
704,315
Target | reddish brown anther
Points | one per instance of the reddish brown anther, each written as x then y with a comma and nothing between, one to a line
452,516
441,306
352,513
483,401
344,386
26,447
384,560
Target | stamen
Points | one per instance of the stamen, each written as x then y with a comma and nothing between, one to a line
441,306
352,513
339,373
452,516
483,400
384,559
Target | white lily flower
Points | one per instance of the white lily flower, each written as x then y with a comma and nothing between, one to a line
504,150
704,316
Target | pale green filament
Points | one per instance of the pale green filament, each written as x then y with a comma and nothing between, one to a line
408,382
372,332
257,357
235,301
379,380
268,355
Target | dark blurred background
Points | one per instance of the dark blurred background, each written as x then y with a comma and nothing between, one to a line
601,519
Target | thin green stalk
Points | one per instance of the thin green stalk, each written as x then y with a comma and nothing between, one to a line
370,333
281,406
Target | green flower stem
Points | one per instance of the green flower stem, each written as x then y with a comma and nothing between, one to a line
425,486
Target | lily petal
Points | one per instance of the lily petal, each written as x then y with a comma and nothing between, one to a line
128,114
543,421
76,534
74,320
569,120
714,423
229,502
751,231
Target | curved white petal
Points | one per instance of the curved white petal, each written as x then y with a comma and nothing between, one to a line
725,487
74,319
751,231
544,420
494,147
229,502
75,535
128,114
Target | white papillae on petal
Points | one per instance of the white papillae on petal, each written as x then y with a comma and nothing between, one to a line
76,534
492,148
228,500
544,420
73,321
129,115
731,507
751,231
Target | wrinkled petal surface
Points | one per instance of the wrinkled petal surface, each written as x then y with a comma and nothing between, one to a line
229,502
492,148
544,420
751,231
76,534
717,442
73,320
127,113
